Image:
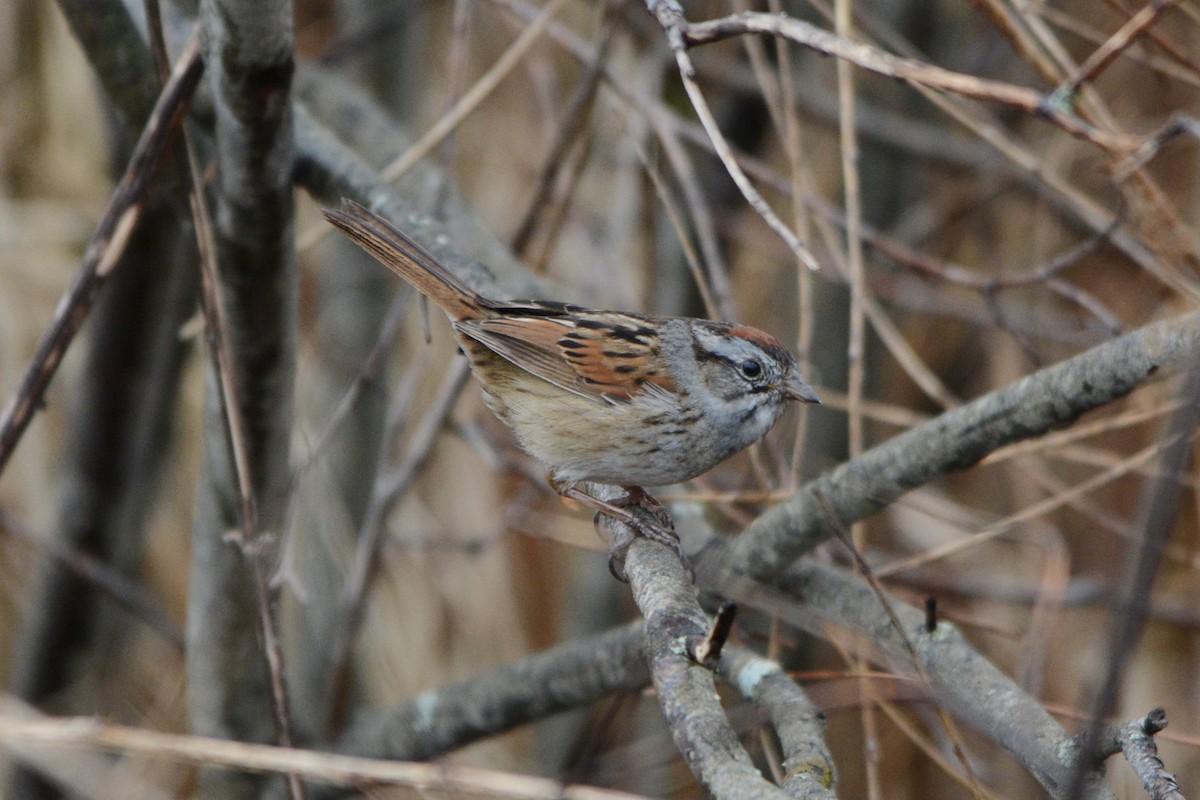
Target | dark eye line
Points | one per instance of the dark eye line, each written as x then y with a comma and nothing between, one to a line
757,381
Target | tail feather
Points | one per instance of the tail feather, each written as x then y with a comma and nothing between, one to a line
400,253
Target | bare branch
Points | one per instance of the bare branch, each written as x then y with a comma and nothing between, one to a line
957,439
250,312
1135,739
906,69
570,675
702,733
808,765
82,733
125,209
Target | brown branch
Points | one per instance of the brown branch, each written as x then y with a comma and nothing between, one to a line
125,209
906,69
87,734
1104,55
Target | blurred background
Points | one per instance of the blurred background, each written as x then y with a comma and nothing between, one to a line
983,256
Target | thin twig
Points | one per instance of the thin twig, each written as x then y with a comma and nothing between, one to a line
84,733
906,69
102,576
570,130
475,95
125,208
1104,55
670,16
389,489
1157,512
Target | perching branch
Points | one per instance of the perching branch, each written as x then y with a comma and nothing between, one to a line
686,691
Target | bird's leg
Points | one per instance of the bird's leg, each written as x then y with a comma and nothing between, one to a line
637,496
618,509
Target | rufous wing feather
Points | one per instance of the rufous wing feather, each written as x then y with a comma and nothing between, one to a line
579,359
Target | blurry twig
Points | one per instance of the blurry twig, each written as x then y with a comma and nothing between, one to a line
85,733
1157,512
124,210
670,15
475,95
388,490
1173,52
1104,55
1047,273
368,375
1179,125
1030,512
99,574
571,129
1136,740
905,69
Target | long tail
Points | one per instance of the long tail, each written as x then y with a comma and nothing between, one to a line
398,252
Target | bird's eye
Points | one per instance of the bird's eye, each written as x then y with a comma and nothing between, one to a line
751,368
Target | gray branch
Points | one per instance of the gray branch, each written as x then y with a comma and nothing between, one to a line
808,766
250,60
962,681
686,690
571,675
1035,405
1135,739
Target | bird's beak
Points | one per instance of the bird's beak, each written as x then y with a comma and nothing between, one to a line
794,388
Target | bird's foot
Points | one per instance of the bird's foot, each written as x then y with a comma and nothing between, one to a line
639,514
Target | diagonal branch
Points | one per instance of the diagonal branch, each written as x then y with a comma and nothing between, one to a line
120,219
957,439
906,69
